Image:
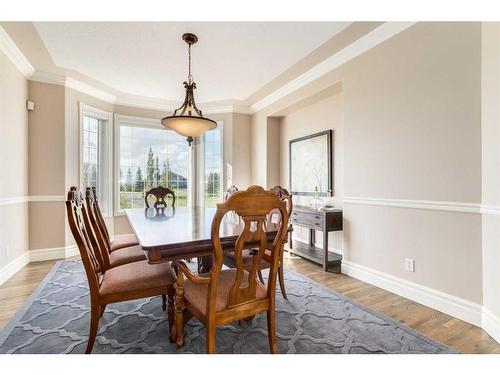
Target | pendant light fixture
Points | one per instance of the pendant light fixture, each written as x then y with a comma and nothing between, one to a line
188,120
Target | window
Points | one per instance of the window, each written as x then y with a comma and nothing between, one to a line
90,151
95,154
213,166
149,155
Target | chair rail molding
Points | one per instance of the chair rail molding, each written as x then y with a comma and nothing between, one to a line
13,200
32,198
47,198
490,210
472,208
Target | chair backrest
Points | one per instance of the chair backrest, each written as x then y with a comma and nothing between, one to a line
233,189
91,192
284,195
159,193
97,236
253,207
91,256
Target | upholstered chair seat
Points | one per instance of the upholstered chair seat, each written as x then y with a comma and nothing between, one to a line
132,278
197,294
125,240
126,255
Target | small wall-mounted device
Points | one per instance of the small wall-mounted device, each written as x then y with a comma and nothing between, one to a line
30,106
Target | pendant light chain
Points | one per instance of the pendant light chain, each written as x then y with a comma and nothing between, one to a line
190,77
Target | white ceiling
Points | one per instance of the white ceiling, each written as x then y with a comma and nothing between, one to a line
231,61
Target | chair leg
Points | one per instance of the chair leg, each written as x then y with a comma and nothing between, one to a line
171,307
103,308
261,278
211,332
164,302
95,311
282,282
271,329
179,317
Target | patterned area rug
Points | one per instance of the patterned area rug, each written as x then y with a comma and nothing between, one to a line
314,319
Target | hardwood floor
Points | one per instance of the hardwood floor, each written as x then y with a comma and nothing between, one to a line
15,291
453,332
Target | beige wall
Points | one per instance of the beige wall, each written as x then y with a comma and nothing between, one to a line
412,130
47,165
241,154
13,162
490,112
273,152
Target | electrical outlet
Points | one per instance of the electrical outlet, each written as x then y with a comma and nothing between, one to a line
409,265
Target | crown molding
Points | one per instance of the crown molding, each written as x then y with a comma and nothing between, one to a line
363,44
48,77
229,108
146,102
9,48
134,100
90,90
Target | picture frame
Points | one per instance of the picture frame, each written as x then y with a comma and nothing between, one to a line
311,164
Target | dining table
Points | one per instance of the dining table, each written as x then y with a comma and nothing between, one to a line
174,233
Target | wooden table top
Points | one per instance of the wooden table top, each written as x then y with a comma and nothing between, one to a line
182,232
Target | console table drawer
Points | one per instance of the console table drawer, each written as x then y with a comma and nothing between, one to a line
308,219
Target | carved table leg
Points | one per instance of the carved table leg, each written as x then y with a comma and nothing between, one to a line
206,264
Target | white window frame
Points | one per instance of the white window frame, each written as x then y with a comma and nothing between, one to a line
142,122
105,118
196,160
200,166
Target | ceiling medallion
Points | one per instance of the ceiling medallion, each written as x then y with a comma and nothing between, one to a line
188,120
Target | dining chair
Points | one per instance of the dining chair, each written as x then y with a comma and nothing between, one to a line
248,254
115,258
233,189
110,285
223,296
159,193
118,241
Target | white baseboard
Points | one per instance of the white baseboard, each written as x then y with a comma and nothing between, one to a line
491,323
455,306
39,255
7,271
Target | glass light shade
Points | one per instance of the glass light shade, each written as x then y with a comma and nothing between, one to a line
189,126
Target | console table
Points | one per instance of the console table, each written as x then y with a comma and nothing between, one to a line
324,221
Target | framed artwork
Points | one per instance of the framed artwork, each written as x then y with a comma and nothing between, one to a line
311,164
